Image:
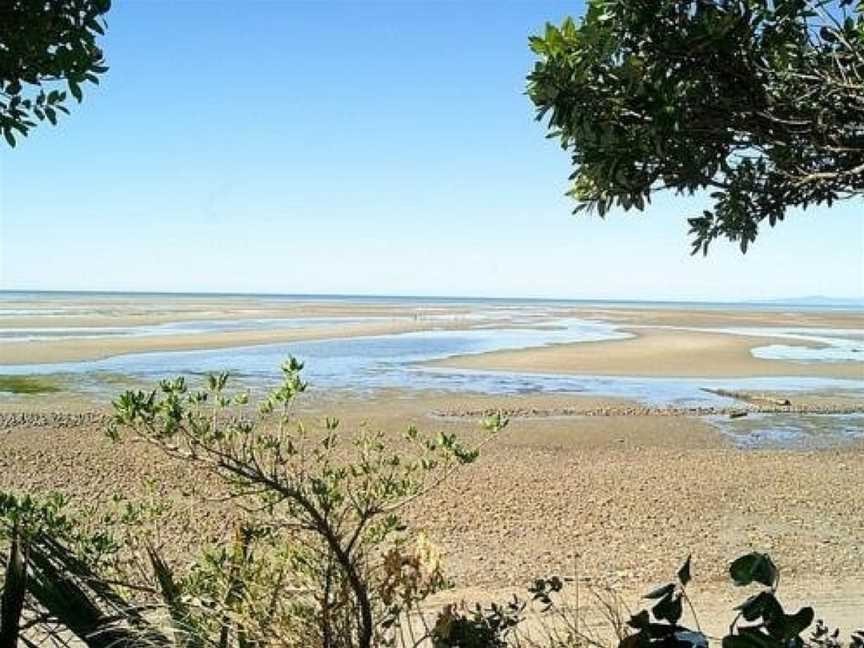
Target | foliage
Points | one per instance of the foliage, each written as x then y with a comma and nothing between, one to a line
324,555
46,49
55,585
761,621
823,637
479,627
761,103
321,557
230,595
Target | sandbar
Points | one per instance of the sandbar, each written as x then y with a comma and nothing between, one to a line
656,353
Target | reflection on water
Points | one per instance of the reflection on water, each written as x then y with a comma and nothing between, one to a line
792,431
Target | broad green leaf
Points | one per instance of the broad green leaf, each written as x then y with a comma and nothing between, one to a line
660,592
754,567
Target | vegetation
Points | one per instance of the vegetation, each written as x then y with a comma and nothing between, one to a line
46,49
320,557
26,385
760,103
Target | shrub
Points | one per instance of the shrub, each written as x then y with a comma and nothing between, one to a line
324,555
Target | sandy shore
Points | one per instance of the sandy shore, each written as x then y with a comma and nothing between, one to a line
72,350
674,353
732,317
632,496
658,353
144,312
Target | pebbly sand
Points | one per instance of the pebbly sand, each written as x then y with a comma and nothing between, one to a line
630,496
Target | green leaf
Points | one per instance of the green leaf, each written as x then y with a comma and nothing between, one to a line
7,133
640,620
751,640
786,627
684,572
754,567
799,622
75,89
669,609
763,604
660,592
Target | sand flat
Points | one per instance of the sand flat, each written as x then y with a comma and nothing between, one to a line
78,349
656,353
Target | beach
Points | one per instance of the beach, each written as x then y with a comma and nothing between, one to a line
618,501
614,484
656,352
664,342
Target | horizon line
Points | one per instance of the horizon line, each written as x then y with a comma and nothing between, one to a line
806,299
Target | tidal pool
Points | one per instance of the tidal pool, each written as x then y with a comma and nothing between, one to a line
792,431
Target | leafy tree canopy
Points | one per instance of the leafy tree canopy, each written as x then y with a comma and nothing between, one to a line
759,102
46,48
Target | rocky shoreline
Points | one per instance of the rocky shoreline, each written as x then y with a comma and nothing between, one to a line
10,420
97,418
734,412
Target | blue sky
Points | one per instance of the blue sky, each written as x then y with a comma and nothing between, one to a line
368,148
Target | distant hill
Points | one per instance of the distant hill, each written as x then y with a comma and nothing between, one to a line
815,300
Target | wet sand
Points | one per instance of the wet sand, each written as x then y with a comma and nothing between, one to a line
657,353
73,350
654,352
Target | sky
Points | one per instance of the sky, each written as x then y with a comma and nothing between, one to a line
354,148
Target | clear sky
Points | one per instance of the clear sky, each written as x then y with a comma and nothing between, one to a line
355,147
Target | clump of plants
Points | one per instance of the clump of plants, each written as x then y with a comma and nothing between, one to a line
760,620
324,554
320,557
26,385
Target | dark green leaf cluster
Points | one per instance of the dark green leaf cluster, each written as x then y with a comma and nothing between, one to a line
667,610
760,103
761,621
31,517
46,50
768,625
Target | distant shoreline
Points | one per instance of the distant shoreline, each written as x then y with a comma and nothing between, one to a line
808,302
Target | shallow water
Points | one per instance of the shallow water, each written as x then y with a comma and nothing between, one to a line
820,344
792,431
36,334
823,345
369,363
